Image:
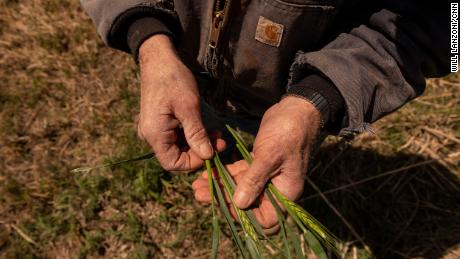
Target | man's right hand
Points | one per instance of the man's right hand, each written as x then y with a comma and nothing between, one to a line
170,108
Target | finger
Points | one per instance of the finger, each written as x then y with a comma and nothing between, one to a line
195,133
172,158
202,195
232,211
237,168
200,183
290,184
163,137
219,145
266,214
204,174
253,181
273,230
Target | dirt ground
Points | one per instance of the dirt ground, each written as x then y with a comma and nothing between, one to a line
66,100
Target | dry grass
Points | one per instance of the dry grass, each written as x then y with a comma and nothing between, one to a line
66,100
399,188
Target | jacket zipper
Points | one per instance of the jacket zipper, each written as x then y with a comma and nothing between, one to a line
214,48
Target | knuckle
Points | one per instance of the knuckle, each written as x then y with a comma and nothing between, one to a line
256,181
196,133
166,162
190,105
196,185
272,230
172,164
266,151
269,222
147,132
192,102
178,163
273,152
168,166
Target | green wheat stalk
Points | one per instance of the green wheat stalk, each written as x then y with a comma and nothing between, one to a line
87,169
215,223
253,242
228,217
315,233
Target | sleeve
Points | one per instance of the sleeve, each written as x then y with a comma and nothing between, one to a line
142,29
322,93
114,19
380,59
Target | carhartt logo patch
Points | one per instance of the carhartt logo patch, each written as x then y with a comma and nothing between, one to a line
269,32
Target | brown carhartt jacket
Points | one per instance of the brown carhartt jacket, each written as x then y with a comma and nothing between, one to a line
376,53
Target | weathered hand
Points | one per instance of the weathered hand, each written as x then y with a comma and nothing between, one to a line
170,108
262,213
281,152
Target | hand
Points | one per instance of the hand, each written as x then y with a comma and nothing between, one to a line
280,154
262,213
170,118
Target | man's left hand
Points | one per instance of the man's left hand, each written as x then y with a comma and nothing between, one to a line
281,152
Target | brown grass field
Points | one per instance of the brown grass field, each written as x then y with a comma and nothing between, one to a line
66,100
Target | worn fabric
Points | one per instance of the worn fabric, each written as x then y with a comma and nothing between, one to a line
376,53
315,84
142,29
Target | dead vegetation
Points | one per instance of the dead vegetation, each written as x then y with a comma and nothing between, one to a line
66,100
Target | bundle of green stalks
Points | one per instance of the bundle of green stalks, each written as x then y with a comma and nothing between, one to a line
251,240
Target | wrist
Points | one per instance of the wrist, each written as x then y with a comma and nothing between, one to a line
157,49
310,115
322,93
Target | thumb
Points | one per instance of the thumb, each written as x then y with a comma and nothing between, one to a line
253,182
196,135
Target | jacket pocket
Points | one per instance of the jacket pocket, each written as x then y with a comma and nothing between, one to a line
265,36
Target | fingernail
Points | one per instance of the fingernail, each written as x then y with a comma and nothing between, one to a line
206,149
241,199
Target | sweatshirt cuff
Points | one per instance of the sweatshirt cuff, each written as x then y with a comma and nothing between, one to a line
118,34
323,94
142,29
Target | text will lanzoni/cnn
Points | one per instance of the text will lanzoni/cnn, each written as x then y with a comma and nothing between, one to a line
454,37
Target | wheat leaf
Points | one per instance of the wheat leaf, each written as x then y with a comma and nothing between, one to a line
229,219
282,222
215,238
294,237
248,227
87,169
215,223
306,221
237,137
252,248
232,186
245,153
315,245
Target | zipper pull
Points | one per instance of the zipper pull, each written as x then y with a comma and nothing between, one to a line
217,28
